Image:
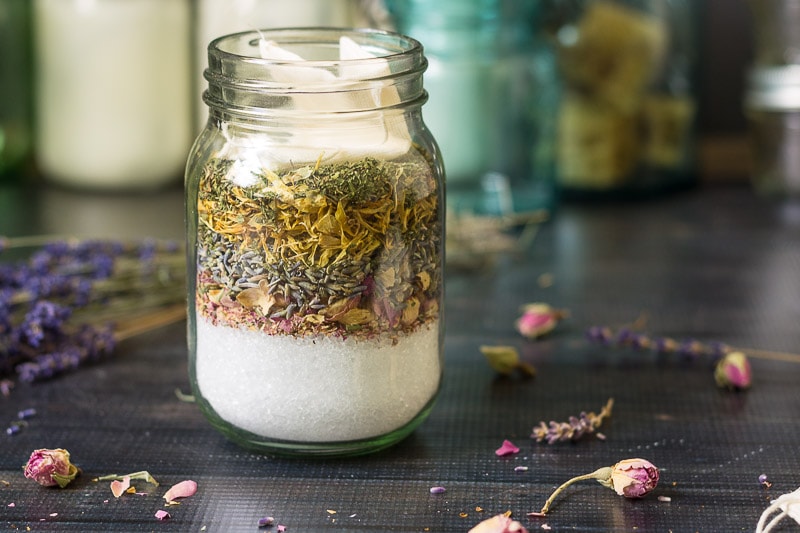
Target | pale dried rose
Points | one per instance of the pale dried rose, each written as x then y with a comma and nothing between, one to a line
538,319
733,371
50,467
634,478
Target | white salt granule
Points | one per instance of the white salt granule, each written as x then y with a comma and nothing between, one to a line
318,389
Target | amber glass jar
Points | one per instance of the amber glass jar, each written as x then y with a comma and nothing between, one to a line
315,236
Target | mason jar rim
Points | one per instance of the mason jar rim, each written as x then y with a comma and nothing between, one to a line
403,44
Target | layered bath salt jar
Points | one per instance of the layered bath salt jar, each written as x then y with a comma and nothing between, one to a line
315,242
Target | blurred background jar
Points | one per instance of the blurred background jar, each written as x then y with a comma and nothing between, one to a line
113,98
772,100
16,87
492,89
627,117
215,18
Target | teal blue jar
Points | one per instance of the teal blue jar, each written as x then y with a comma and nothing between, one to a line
492,88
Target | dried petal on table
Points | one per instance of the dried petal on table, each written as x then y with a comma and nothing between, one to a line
184,489
119,487
499,524
507,448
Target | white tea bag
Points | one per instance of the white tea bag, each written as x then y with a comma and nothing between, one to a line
358,133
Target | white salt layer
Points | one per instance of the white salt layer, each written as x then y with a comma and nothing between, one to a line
317,389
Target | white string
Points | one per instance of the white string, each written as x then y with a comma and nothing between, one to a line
788,504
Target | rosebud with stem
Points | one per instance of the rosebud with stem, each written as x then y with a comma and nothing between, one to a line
632,478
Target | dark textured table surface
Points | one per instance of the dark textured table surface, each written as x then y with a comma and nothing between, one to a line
713,265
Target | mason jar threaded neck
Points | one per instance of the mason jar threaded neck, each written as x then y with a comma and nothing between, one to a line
297,72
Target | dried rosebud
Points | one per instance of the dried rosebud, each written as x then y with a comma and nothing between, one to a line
499,524
505,360
538,319
633,478
50,467
733,371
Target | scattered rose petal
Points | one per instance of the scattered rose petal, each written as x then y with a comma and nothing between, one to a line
499,524
507,448
546,527
184,489
266,521
12,504
162,515
119,487
281,528
664,499
437,490
520,468
53,514
330,511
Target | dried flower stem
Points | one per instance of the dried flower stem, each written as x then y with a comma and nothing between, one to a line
601,474
143,475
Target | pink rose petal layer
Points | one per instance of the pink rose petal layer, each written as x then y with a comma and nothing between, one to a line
162,515
184,489
507,448
118,487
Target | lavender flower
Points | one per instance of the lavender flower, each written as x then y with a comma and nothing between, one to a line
574,428
56,307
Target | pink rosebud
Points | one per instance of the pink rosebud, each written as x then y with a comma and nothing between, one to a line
733,371
538,319
508,448
50,467
634,478
499,524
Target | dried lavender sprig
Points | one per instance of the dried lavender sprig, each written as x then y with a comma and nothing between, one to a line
88,344
52,306
625,337
574,428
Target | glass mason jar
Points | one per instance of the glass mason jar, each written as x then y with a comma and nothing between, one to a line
315,242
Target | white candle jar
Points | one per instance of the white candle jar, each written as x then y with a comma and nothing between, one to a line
113,98
316,239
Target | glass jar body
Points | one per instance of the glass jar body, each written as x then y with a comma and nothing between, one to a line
315,238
